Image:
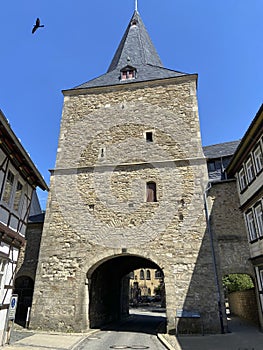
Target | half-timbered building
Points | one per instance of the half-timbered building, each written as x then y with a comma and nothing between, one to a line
18,179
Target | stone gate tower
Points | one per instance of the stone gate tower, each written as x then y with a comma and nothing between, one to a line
126,192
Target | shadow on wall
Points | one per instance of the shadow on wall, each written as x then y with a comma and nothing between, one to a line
224,250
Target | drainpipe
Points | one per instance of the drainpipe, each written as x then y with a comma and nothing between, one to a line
214,259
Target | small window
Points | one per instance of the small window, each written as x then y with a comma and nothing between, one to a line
242,180
157,274
250,170
258,159
211,166
102,153
128,72
149,136
132,275
259,219
18,195
151,192
141,275
148,274
251,226
8,187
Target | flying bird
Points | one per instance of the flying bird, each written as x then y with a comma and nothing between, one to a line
37,25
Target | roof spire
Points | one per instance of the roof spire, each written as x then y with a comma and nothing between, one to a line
136,5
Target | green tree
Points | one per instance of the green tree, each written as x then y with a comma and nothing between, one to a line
237,282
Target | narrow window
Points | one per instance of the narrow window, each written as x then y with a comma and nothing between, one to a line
127,73
102,153
18,195
148,274
211,166
151,192
8,187
259,219
3,263
157,274
251,226
242,179
149,136
258,159
132,275
250,170
141,275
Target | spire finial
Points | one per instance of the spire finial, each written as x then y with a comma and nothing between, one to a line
136,5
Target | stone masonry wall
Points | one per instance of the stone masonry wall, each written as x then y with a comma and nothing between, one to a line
244,305
97,207
228,226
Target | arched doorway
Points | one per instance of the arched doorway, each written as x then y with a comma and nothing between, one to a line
24,288
240,297
108,283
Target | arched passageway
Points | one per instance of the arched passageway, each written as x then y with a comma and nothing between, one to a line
109,288
24,288
240,297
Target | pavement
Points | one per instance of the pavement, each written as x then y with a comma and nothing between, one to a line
242,336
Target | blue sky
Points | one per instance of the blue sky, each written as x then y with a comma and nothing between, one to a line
219,40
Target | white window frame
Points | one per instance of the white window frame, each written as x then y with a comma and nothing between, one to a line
250,170
259,218
258,158
251,226
242,179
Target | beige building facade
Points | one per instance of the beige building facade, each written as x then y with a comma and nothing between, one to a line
18,181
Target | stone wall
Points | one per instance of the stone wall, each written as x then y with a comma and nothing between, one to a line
228,227
97,210
28,257
244,305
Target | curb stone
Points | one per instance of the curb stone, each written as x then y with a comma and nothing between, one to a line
166,343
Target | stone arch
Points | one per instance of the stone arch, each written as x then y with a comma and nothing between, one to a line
108,284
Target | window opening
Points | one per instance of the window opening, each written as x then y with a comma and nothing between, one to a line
151,192
259,219
141,275
148,274
18,195
149,136
258,159
8,187
242,179
128,72
251,226
157,274
250,170
211,166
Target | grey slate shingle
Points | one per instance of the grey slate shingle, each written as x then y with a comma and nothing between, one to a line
135,49
221,149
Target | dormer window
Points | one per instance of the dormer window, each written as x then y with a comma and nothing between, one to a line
128,72
134,22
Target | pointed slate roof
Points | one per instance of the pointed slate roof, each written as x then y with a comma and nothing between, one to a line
135,50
